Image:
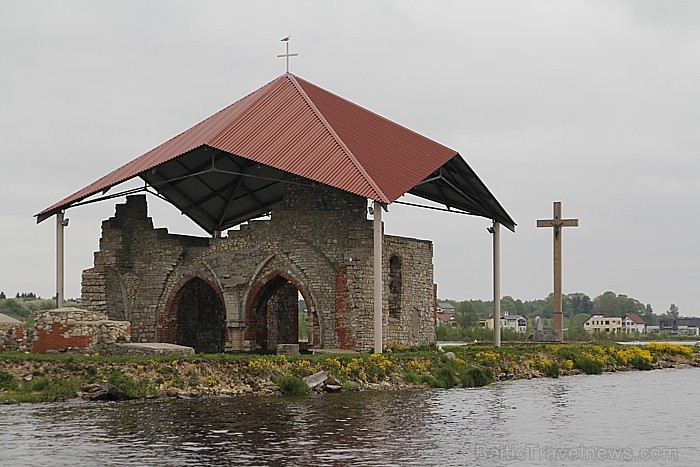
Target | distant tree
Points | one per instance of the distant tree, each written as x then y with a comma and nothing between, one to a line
647,314
2,296
465,315
606,304
672,312
508,305
577,303
27,295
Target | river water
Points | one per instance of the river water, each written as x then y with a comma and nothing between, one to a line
632,418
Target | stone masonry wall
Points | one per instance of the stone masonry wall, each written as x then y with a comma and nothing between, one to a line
75,329
318,238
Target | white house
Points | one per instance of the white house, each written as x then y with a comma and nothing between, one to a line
515,322
444,307
632,323
603,323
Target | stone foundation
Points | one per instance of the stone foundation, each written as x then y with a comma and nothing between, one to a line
241,291
73,329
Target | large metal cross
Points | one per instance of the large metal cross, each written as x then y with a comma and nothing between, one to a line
287,55
557,223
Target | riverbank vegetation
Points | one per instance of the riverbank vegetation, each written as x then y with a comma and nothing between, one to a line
23,306
37,378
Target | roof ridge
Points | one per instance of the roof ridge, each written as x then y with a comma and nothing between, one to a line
338,140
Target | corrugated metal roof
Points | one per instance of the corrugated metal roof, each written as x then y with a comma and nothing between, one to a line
297,127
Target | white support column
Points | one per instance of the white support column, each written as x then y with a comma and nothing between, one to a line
378,283
60,225
496,230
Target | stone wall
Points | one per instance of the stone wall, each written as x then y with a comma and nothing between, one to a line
318,240
73,329
15,337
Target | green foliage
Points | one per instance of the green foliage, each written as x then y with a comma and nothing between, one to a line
573,304
672,312
25,304
640,363
7,381
449,333
465,316
303,327
56,389
456,374
476,377
588,365
134,389
552,370
292,385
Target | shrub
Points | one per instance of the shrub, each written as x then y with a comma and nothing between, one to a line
61,389
292,385
445,377
588,365
551,370
475,377
7,381
132,388
640,363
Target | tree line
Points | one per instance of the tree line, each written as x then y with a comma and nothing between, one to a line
577,308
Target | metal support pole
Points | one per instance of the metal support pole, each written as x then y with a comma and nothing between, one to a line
59,259
496,230
378,286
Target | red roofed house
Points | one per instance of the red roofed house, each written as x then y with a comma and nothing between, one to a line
632,323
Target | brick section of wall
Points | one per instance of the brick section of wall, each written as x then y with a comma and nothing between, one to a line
315,232
77,330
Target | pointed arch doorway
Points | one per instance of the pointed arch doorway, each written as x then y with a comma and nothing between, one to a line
197,317
279,312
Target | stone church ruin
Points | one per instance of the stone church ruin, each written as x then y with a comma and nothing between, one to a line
280,180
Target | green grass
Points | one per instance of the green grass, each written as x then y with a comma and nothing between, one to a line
133,388
292,385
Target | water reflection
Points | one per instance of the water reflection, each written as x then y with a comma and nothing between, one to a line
434,427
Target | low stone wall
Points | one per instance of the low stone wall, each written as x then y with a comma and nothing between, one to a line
71,329
15,338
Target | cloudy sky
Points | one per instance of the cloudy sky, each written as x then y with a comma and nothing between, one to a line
592,103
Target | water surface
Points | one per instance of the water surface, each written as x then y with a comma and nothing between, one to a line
633,418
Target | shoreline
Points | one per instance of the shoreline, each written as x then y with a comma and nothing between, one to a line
36,378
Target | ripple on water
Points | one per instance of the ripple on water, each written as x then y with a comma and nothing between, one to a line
433,427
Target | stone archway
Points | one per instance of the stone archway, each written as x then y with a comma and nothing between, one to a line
272,313
196,317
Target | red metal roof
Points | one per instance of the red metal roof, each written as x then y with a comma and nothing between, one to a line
297,127
634,317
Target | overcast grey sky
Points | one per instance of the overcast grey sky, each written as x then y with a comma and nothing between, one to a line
593,103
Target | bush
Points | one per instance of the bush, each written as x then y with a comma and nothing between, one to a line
61,389
7,381
445,377
641,363
132,388
292,385
588,365
475,377
552,370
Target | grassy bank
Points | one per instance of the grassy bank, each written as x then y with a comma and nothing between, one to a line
37,378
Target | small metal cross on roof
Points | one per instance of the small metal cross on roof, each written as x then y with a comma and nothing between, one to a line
287,55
